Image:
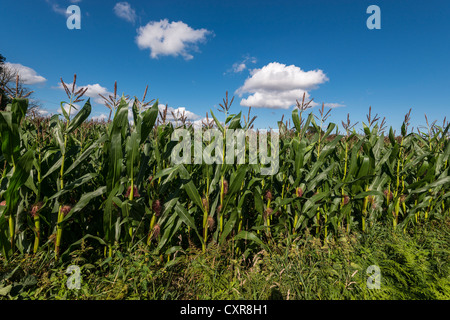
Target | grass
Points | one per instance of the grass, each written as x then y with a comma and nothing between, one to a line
413,265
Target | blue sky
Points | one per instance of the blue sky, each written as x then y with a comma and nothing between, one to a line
265,53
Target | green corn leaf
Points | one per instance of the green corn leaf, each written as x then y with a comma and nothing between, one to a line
82,115
306,125
19,107
219,125
84,201
189,186
172,225
300,156
259,204
442,158
366,129
109,217
382,160
58,134
368,193
30,183
165,172
330,128
314,199
19,177
235,122
237,179
5,244
392,137
229,226
10,137
439,182
403,129
136,116
86,153
313,172
132,154
249,236
53,168
296,120
148,121
320,177
119,126
330,147
354,160
423,168
64,112
74,184
184,216
242,198
364,167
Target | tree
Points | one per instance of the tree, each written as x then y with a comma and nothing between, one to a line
11,86
2,61
2,91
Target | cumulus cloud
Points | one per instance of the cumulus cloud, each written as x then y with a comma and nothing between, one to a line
279,86
275,100
199,123
175,113
165,38
124,11
73,111
93,91
26,74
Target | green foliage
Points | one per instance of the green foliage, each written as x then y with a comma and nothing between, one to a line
413,265
113,185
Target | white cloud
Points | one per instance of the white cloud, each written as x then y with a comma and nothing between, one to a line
26,74
42,112
274,100
241,65
73,111
169,38
101,117
279,86
57,8
178,112
333,105
123,10
199,123
93,91
61,10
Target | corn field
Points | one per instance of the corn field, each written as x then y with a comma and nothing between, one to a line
68,180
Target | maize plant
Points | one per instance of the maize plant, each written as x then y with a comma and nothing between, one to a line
66,180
